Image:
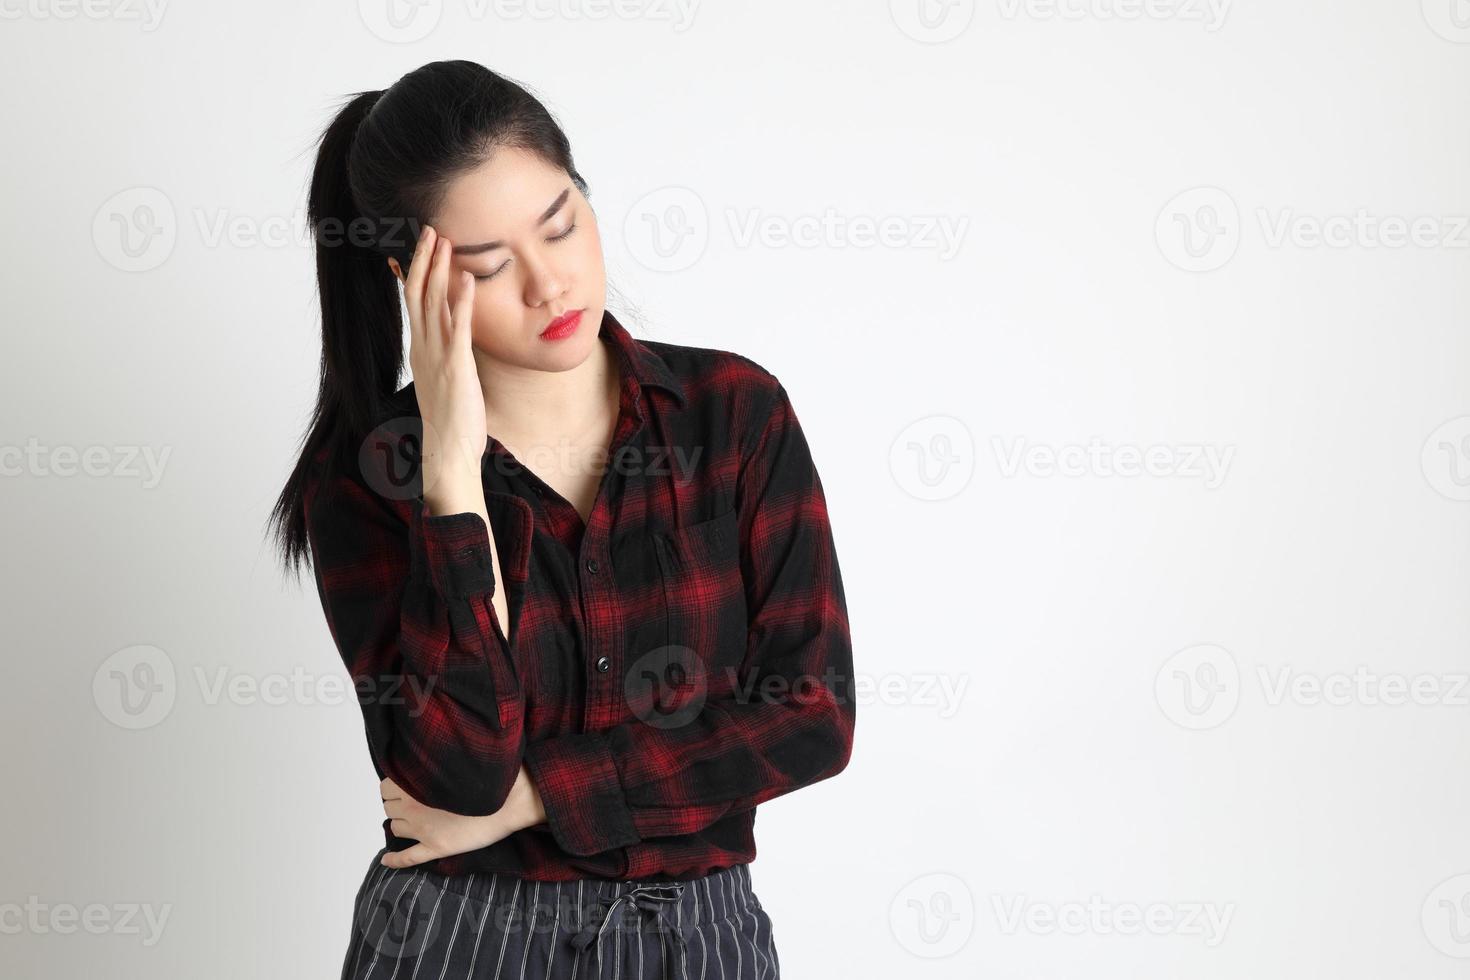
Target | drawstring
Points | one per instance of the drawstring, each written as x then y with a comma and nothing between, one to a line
658,897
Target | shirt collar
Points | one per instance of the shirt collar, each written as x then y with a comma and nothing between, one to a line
642,367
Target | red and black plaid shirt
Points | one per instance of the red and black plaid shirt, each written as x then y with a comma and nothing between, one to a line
682,658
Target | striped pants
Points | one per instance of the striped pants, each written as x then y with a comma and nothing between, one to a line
413,924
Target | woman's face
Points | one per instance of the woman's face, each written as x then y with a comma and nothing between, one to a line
546,259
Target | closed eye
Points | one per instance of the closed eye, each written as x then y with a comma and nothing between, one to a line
554,238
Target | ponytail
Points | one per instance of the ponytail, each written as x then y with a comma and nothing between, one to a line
362,326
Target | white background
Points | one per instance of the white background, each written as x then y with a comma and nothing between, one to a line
1173,229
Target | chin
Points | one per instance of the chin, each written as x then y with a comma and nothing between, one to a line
567,353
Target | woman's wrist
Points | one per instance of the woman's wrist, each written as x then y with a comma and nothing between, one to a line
524,806
454,490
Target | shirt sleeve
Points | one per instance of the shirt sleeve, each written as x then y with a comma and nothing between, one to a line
608,789
409,608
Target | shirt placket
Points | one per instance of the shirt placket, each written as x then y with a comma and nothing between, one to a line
602,614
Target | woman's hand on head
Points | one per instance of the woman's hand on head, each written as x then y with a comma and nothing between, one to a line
441,358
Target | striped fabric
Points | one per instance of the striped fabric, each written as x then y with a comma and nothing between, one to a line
415,923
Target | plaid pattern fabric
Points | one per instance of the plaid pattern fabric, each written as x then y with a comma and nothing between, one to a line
675,661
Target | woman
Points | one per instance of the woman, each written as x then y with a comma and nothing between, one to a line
577,681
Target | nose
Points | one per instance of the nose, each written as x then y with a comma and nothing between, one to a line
544,281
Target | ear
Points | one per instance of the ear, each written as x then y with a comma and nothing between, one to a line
393,264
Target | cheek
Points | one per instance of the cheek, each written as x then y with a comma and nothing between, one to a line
493,316
495,307
589,255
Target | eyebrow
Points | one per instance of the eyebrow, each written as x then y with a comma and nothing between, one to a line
546,215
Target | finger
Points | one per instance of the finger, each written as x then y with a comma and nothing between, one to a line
419,266
436,306
413,287
389,790
463,309
417,854
423,249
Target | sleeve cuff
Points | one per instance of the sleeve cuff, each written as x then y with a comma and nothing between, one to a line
583,796
455,551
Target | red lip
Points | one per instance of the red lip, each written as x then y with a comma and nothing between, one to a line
563,324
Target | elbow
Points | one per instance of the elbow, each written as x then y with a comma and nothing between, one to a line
472,785
843,729
478,794
834,748
840,721
487,793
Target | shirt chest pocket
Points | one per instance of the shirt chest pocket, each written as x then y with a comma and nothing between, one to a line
702,595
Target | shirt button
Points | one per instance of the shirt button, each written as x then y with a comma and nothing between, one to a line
603,664
592,565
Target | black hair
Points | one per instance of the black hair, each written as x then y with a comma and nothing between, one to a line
383,166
